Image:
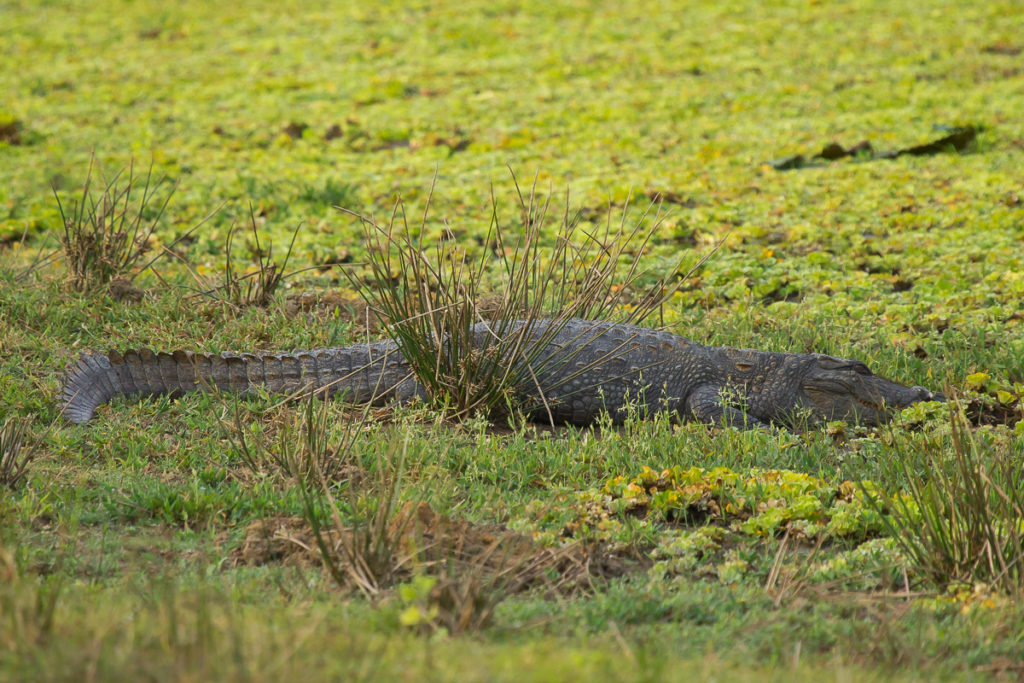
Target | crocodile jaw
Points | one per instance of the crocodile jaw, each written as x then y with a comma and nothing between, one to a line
850,392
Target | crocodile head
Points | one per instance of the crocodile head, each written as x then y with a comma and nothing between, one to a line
844,389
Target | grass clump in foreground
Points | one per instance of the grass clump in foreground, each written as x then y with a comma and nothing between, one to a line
961,521
15,459
374,536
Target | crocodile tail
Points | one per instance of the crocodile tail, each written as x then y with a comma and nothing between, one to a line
364,372
85,386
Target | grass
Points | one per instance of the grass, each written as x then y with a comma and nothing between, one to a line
962,522
200,632
121,546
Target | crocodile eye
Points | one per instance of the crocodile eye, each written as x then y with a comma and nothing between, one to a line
862,369
743,367
830,363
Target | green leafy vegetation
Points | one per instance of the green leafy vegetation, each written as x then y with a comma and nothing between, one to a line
173,538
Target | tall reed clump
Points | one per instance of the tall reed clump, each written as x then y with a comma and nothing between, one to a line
253,287
472,343
961,517
107,233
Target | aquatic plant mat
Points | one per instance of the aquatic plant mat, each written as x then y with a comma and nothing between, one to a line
171,177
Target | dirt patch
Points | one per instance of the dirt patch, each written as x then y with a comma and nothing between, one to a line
671,197
10,131
494,550
989,411
122,289
294,129
350,310
437,542
1001,48
285,540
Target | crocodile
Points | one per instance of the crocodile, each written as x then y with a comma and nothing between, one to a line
576,372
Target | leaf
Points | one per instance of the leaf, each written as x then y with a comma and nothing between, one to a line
977,381
1005,397
411,616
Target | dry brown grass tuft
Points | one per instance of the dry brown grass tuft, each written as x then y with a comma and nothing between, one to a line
106,234
254,287
15,459
471,567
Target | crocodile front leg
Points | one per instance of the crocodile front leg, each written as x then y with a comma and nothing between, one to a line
707,404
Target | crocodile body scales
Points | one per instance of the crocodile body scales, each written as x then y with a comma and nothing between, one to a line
582,370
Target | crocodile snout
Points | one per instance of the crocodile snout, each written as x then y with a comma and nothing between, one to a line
922,394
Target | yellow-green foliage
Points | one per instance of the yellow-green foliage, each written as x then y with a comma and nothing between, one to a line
760,502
